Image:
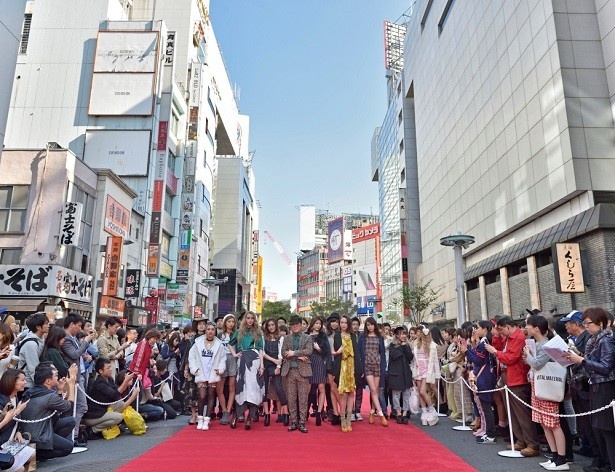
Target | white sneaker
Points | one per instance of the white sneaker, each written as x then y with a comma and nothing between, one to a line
353,417
552,466
424,418
432,417
545,464
199,422
358,417
205,424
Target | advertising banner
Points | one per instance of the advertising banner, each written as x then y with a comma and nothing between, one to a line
153,254
70,228
126,51
335,237
124,152
366,232
122,94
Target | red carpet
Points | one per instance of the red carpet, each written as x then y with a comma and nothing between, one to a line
367,447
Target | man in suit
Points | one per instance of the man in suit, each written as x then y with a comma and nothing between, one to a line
296,351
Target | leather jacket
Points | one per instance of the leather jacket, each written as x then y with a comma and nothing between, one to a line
600,362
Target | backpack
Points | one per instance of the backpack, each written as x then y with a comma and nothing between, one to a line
18,349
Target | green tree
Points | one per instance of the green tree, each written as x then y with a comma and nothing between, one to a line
417,298
276,310
343,307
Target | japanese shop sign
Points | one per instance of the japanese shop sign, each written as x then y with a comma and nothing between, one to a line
71,224
568,268
117,218
45,280
111,306
133,283
153,260
113,262
169,49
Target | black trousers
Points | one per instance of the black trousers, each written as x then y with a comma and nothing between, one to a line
62,440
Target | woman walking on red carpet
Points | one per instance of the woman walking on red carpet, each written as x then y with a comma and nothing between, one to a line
372,352
247,345
347,368
427,372
228,328
273,364
207,361
319,359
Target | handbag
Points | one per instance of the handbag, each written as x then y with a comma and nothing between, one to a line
550,382
414,401
6,460
13,446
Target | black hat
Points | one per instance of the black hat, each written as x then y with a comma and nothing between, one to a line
333,317
219,317
533,311
294,320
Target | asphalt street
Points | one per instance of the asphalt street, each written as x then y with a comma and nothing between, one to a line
105,456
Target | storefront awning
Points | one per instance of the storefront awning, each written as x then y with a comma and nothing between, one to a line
76,306
21,304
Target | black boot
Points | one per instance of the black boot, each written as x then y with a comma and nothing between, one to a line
233,423
280,418
267,419
336,420
248,425
286,419
318,419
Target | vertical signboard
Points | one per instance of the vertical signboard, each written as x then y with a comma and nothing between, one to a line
133,283
335,237
113,261
153,259
259,284
70,228
117,218
568,268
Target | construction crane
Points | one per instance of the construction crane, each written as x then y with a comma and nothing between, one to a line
280,249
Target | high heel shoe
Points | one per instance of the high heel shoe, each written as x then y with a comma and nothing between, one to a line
286,419
233,423
267,420
318,418
248,425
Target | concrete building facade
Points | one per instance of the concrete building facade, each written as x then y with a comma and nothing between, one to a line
512,103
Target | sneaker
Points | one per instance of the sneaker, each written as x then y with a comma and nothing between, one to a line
546,463
502,431
353,417
530,452
554,466
358,417
486,440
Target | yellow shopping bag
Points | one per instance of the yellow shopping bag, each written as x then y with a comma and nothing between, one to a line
111,432
134,421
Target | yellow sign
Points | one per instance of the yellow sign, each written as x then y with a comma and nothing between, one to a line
259,285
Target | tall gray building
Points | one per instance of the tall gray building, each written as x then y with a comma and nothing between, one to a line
512,107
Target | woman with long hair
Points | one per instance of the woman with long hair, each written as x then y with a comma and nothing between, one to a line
12,383
273,364
372,351
427,372
52,351
141,360
333,396
6,346
229,376
483,378
207,360
319,359
246,345
346,369
537,327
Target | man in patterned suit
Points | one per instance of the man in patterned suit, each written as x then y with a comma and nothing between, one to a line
296,351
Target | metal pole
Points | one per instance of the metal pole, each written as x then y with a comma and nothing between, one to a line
461,299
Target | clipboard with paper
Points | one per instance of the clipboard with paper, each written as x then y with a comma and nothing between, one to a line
557,349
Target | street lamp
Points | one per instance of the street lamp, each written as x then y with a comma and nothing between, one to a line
458,241
214,281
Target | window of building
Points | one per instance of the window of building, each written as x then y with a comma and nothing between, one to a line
171,162
472,284
77,257
445,12
400,117
13,208
492,277
25,33
544,258
517,267
10,255
164,245
401,147
175,124
168,202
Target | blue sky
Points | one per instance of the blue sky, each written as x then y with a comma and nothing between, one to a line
311,77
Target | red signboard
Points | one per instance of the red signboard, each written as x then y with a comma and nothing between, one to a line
151,305
163,133
366,232
158,194
113,262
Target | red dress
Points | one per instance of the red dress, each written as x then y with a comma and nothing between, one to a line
140,362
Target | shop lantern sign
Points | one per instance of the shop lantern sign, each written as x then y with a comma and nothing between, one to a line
45,280
71,224
568,268
113,262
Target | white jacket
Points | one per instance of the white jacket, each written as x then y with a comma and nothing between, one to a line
433,365
195,360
